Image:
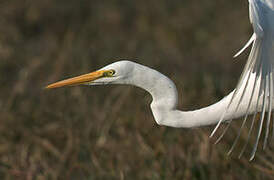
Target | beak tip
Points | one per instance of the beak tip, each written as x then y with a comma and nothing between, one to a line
46,87
49,87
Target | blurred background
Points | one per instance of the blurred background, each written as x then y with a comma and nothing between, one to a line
109,132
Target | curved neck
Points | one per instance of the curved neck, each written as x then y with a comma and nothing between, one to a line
161,88
164,104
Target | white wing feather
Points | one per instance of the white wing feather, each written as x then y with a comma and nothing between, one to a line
259,64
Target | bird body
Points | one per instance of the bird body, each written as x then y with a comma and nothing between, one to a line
253,93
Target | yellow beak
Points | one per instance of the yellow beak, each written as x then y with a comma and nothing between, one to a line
78,80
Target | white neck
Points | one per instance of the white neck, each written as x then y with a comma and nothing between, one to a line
164,104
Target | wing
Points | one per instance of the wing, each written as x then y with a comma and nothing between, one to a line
260,65
256,19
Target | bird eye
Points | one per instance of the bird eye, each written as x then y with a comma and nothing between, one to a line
109,73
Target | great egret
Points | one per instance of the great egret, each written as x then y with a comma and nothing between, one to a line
253,94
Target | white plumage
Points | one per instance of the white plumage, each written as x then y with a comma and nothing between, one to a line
253,94
258,72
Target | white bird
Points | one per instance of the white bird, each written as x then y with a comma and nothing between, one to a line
253,94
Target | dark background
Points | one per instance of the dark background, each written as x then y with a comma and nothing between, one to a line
109,132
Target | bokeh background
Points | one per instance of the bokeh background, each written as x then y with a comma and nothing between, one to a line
109,132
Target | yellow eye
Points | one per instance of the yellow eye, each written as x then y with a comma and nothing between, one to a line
109,73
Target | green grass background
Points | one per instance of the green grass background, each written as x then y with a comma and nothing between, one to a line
109,132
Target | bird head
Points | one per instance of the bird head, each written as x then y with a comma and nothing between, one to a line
115,73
